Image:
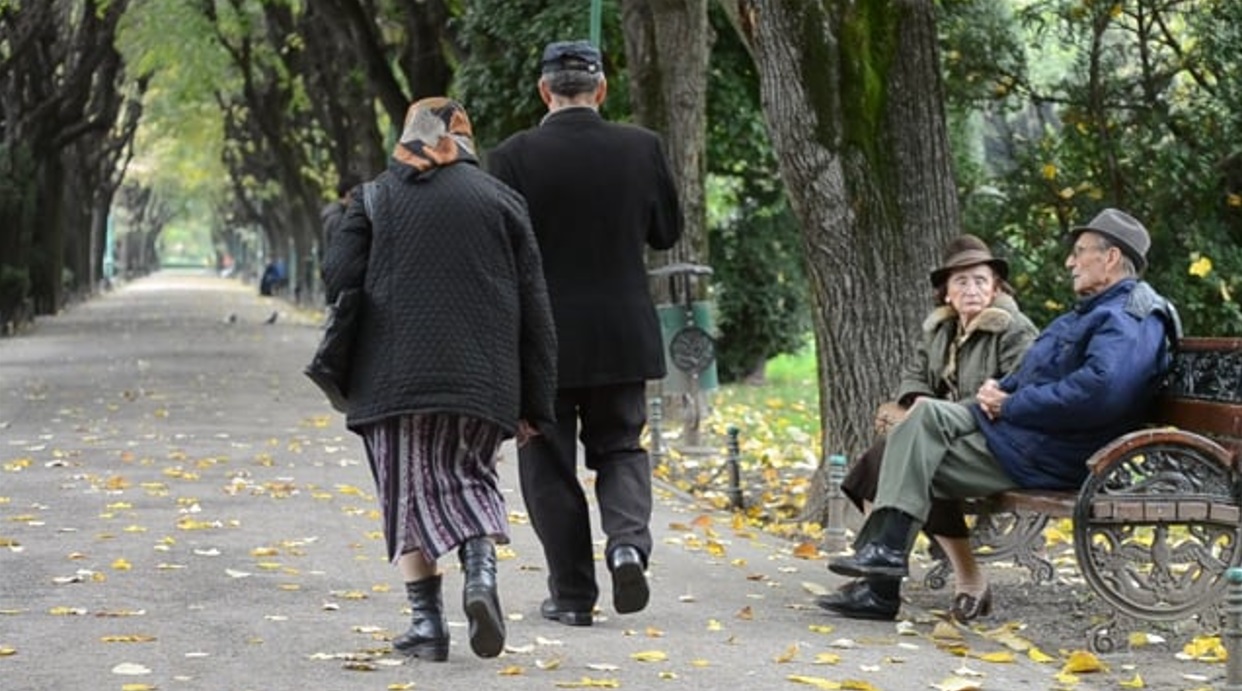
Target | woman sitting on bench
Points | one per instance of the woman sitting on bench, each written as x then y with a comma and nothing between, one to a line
976,332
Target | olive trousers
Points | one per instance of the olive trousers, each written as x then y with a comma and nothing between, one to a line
937,451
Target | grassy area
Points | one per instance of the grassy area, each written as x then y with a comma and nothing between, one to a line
778,424
790,393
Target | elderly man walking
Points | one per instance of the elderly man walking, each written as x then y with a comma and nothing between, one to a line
1089,377
599,195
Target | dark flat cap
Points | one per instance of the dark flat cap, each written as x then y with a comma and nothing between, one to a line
571,55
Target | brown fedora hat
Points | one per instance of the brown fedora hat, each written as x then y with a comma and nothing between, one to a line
965,251
1124,230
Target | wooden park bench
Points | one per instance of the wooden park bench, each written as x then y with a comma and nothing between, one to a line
1156,523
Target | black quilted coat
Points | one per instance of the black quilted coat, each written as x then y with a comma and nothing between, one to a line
455,315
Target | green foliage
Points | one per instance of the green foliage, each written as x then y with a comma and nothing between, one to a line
761,290
502,43
981,51
754,243
1155,135
180,140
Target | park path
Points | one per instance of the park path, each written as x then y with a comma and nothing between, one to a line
180,510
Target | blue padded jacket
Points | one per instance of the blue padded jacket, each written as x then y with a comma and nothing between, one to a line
1091,376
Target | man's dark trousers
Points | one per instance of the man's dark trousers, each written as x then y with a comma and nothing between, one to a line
612,419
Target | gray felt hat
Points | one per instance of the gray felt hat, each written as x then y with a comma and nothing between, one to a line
1123,229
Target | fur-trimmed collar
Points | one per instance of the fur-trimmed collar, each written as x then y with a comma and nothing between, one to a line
994,319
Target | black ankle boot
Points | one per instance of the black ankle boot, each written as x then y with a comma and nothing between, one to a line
479,597
883,547
428,636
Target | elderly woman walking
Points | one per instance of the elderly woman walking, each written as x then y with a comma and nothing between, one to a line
976,332
455,351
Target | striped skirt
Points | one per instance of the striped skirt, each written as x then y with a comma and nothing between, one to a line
437,482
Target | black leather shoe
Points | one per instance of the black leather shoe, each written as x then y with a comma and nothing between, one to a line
843,594
872,559
569,617
859,601
629,580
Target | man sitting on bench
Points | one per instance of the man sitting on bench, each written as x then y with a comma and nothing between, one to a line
1089,377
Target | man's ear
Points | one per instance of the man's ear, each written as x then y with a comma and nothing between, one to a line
601,92
544,92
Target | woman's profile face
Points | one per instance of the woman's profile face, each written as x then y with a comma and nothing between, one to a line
971,290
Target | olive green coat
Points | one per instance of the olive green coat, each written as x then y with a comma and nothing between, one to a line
991,347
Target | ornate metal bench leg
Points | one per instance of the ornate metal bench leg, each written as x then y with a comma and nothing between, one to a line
1016,536
1155,530
1102,637
937,576
1033,556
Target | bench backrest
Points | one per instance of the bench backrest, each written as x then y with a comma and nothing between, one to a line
1203,392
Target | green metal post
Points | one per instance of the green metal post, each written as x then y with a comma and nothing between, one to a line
596,12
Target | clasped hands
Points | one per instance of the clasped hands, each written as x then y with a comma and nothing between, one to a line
991,398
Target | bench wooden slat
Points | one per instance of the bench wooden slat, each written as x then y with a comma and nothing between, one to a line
1051,502
1210,418
1209,344
1163,511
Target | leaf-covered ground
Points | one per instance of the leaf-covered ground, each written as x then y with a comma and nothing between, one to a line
779,447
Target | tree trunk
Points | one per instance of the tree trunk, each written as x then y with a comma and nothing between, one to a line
667,45
852,97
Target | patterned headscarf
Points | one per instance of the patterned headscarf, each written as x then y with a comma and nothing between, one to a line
437,132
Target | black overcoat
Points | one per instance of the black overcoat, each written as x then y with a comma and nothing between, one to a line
599,193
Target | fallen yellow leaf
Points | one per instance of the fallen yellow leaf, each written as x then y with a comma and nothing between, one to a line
650,656
589,683
128,638
806,550
788,655
827,659
1135,683
6,651
511,671
817,682
66,611
1038,655
1081,661
998,656
944,631
1205,649
121,564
